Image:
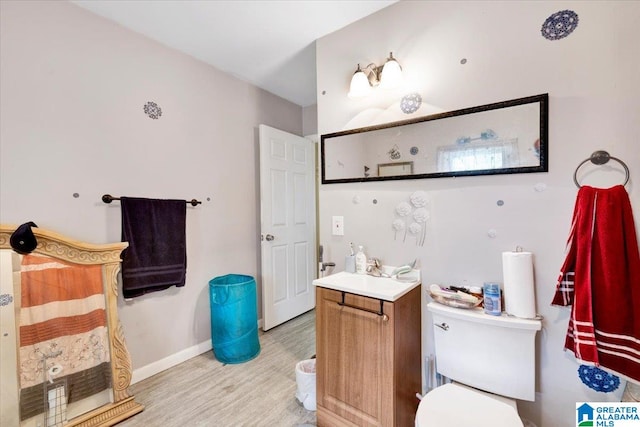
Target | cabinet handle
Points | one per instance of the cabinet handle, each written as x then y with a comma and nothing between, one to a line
379,313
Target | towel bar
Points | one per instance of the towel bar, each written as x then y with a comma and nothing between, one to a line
108,198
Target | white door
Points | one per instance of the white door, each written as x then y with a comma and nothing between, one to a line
288,225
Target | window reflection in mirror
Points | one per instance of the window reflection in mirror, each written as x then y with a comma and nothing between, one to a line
505,137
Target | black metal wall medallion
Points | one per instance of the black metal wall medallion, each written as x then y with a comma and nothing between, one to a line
152,110
559,25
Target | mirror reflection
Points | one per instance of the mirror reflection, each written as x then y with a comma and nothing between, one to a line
505,137
63,359
64,364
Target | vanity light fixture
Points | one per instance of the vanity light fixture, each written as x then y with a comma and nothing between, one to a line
388,76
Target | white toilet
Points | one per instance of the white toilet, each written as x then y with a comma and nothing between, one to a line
491,361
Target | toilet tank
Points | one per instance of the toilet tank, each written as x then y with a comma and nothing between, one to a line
490,353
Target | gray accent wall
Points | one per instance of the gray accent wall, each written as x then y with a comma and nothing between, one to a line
72,111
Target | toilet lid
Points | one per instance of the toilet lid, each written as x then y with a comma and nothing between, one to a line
457,405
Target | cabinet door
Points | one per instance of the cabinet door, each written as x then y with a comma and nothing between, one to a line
354,360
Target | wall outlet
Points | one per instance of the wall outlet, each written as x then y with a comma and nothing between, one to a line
337,225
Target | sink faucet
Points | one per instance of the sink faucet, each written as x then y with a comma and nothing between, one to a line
373,267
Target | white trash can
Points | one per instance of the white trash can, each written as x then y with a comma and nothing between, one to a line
306,380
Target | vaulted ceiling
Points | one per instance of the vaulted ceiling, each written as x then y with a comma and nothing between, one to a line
268,43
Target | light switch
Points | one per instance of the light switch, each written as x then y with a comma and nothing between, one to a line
337,225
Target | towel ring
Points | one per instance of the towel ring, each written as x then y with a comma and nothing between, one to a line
601,157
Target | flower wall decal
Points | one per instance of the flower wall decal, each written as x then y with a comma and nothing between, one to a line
403,209
418,199
415,228
412,218
421,215
398,225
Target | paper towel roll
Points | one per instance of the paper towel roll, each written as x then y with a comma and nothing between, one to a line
518,286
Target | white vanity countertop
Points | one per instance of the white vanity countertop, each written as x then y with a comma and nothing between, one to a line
384,288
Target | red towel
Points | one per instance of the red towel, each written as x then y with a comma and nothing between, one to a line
600,278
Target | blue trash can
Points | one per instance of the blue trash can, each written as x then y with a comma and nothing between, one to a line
234,318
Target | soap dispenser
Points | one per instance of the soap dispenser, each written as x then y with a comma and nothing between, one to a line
361,261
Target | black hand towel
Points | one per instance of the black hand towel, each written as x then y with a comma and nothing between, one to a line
157,254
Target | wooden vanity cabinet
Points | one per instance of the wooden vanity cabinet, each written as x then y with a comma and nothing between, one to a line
368,364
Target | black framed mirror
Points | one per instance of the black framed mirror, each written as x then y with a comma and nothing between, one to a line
501,138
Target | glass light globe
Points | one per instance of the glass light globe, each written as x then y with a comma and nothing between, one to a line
391,75
359,84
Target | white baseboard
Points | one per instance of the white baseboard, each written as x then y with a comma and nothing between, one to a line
175,359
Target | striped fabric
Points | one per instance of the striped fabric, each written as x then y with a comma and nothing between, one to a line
600,279
62,322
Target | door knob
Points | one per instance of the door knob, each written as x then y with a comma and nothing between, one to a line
269,237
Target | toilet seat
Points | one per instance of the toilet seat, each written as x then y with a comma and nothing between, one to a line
455,405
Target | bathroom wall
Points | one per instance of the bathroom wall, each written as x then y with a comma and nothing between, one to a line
310,120
73,88
591,77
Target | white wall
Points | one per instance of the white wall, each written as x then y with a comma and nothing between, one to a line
592,80
73,87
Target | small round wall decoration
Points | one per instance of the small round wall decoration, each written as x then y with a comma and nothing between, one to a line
410,103
152,110
5,299
559,25
597,379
